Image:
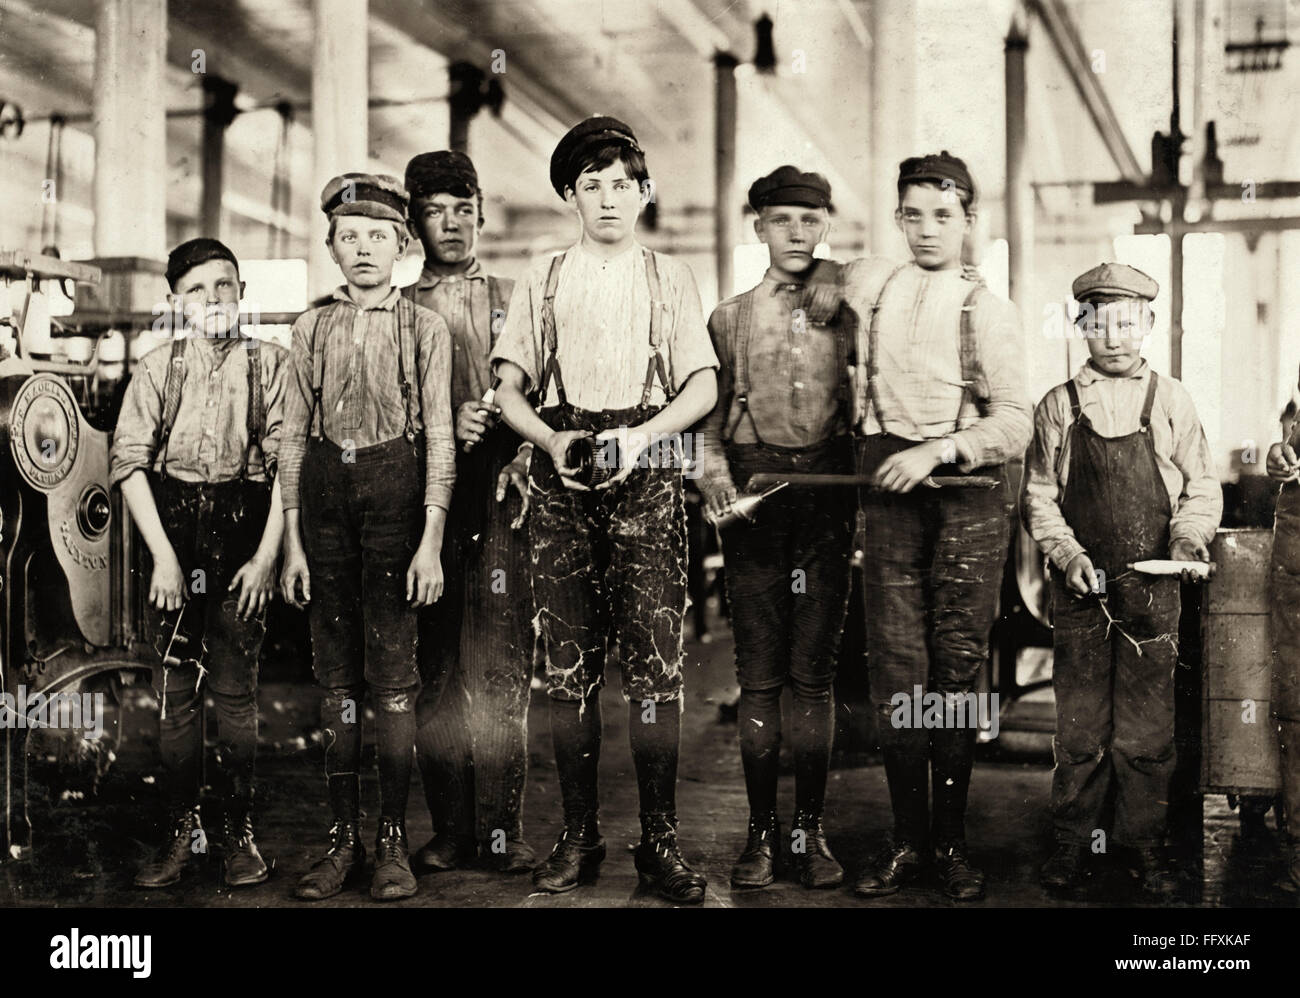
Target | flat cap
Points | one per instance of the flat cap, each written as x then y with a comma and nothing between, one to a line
445,171
790,185
588,134
1114,280
375,195
936,169
190,254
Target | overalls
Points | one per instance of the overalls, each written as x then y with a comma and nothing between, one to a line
609,564
214,528
1114,705
476,648
932,572
362,517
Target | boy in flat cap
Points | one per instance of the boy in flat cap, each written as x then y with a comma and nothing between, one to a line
785,405
1284,600
367,469
476,643
945,388
610,339
1119,471
195,453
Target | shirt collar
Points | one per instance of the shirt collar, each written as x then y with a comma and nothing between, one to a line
778,282
428,279
1088,374
619,257
387,303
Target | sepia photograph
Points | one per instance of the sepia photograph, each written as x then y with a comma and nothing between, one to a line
650,454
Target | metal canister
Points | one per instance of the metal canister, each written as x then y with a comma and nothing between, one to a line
1238,742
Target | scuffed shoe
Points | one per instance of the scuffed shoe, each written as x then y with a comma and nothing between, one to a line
961,881
1063,870
660,865
757,865
345,858
445,851
895,867
573,861
392,879
818,868
241,862
178,854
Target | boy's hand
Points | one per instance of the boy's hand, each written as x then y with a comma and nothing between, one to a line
719,497
556,445
632,443
294,575
904,471
424,577
1282,463
167,586
474,419
1185,549
255,585
1080,576
515,474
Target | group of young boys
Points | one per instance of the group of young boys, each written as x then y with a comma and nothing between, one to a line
413,464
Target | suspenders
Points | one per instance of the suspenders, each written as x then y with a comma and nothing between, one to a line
1076,410
255,420
655,365
974,382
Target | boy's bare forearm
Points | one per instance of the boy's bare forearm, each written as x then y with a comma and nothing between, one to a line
144,511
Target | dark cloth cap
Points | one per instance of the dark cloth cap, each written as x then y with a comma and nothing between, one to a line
375,195
586,135
1114,280
789,185
190,254
936,169
445,171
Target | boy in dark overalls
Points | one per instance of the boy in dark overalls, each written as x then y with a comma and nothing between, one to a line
195,453
784,404
476,643
367,468
945,388
613,338
1119,471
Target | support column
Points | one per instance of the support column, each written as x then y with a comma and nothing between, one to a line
1020,198
725,227
130,122
218,113
894,59
340,94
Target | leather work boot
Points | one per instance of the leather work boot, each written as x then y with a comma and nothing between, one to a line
895,867
1064,869
445,851
961,881
575,859
241,863
392,878
757,865
659,861
345,857
178,854
518,858
817,867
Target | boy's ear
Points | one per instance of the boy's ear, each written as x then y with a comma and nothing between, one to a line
243,286
898,219
971,215
759,229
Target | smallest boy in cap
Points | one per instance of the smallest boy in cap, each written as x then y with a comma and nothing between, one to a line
195,452
368,467
1119,471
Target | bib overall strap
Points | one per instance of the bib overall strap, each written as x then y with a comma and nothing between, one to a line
1075,408
496,310
655,367
255,419
741,364
974,384
315,422
407,363
171,397
1150,402
550,365
873,404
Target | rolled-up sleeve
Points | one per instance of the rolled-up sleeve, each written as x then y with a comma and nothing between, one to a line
1040,508
690,348
519,342
434,342
1200,506
135,438
296,408
1003,433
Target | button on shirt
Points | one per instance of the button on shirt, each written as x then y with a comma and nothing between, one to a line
464,302
918,363
602,322
210,435
361,394
1114,407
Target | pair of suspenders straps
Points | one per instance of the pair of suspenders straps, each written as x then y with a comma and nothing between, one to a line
256,416
655,366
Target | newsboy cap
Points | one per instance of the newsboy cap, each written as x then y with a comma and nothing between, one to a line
193,252
1114,280
789,185
445,171
375,195
936,169
586,135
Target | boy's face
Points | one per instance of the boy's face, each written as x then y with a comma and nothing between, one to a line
935,225
447,226
208,294
792,232
366,248
1114,331
608,202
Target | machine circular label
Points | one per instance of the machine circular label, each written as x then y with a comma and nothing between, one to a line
44,429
